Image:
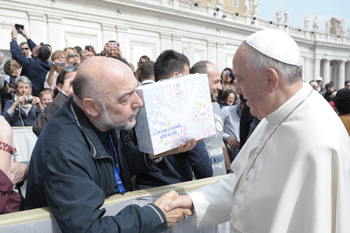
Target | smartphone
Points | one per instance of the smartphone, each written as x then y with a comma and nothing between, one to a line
72,55
19,26
60,64
87,47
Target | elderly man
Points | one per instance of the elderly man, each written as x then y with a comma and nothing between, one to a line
81,156
290,176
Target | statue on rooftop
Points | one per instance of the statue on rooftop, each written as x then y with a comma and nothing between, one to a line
279,15
315,25
286,16
306,23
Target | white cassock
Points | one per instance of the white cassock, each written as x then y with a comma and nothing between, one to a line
292,175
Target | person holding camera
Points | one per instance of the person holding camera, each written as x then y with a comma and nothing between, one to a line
24,108
59,59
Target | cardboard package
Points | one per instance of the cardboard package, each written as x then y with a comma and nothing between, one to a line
173,111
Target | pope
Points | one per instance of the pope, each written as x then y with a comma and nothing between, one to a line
292,175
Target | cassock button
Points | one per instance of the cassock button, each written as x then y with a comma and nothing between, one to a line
246,177
235,202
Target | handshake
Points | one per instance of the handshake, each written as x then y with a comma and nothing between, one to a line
175,207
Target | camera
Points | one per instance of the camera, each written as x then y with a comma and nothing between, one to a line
87,47
72,55
29,101
60,64
19,26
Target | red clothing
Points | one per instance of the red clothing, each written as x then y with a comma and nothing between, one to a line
10,201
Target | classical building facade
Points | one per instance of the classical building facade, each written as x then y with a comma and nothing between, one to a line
210,30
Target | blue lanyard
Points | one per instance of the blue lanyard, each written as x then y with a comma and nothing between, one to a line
117,178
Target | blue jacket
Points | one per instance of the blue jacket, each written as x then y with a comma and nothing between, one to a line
34,69
15,119
71,172
177,168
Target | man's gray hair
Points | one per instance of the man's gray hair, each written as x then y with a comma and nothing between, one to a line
23,79
259,62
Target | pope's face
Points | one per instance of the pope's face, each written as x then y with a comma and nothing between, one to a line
249,83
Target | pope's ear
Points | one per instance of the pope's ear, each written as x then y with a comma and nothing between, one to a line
273,80
92,108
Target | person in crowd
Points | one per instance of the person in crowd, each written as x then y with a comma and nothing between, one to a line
58,62
229,98
175,168
24,108
73,56
170,64
64,91
319,81
24,47
90,159
112,49
12,69
35,69
342,104
347,84
142,60
46,96
329,91
289,162
314,85
78,49
89,51
146,74
227,81
231,116
214,144
10,200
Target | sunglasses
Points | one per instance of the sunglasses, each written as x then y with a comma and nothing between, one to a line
70,68
24,48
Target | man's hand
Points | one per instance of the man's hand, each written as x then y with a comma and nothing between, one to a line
14,32
116,51
174,215
24,33
233,142
189,145
180,201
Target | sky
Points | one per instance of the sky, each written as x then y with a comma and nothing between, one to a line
299,9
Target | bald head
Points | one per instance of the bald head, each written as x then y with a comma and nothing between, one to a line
98,74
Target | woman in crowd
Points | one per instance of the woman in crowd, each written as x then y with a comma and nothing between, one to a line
229,98
59,59
23,108
227,81
10,200
46,96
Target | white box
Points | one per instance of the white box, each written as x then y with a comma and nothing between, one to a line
174,110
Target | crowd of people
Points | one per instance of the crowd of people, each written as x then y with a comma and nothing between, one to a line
86,103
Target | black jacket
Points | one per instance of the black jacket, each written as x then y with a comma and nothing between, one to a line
71,172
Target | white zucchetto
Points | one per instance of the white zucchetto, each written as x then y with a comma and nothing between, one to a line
276,44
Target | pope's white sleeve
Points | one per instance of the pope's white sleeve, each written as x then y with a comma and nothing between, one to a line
213,203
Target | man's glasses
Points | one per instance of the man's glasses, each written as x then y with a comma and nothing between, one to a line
70,68
24,48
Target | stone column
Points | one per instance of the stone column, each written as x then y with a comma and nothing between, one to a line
317,68
165,41
177,43
211,52
55,32
325,71
38,27
347,70
341,76
220,55
334,65
123,39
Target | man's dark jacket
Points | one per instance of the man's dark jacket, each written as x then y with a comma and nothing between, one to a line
35,69
71,172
